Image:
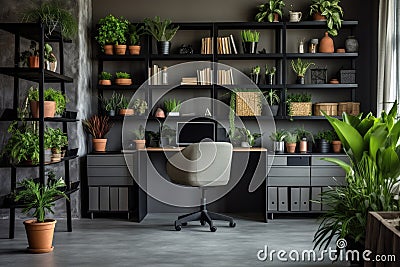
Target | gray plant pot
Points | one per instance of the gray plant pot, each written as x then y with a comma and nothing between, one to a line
279,147
274,110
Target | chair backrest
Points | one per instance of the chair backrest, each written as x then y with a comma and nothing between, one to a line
201,164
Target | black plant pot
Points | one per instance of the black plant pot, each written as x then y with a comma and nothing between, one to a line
255,78
269,79
300,80
249,47
310,145
163,47
323,146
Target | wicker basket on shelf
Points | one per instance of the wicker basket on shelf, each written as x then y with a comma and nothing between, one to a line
330,109
300,109
248,103
352,108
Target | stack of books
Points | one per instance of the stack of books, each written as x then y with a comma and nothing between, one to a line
226,45
189,81
155,77
207,45
204,76
225,77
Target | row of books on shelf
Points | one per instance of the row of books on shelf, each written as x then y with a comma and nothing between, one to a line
157,75
225,45
205,77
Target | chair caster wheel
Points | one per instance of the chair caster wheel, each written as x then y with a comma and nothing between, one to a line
184,224
213,228
178,227
202,223
232,224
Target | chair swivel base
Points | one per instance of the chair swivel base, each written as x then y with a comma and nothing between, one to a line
204,217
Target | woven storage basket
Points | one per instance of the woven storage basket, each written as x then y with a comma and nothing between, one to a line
300,108
248,103
352,108
330,109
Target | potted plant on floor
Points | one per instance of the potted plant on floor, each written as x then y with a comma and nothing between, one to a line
105,78
172,107
54,102
290,139
140,106
124,108
162,31
271,11
98,127
59,139
278,138
273,101
123,78
300,68
255,74
134,39
40,198
329,11
249,41
139,140
269,75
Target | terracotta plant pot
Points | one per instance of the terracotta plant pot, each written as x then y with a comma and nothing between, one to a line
290,147
99,145
40,235
120,81
120,49
104,82
56,157
317,16
126,112
140,144
49,109
134,49
336,146
326,45
108,49
276,17
33,62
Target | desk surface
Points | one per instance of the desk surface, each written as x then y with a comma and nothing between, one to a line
172,149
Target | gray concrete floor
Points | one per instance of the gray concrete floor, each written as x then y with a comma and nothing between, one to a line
154,242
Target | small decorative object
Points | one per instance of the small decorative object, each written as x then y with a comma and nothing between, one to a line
312,48
271,10
295,16
186,49
347,76
159,113
249,41
300,68
164,75
207,113
326,45
162,31
333,81
123,78
319,75
340,50
301,46
255,74
351,44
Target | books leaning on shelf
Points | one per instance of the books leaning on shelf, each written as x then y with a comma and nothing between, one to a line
205,76
155,77
189,81
207,45
225,77
226,45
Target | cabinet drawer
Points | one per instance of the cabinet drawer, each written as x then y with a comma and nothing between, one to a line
327,171
110,180
316,160
295,199
272,199
93,198
110,160
283,199
328,181
316,196
298,161
277,160
289,181
108,171
289,171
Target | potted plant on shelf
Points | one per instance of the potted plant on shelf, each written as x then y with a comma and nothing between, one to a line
124,108
53,15
300,68
249,41
255,74
105,78
98,127
111,105
329,11
306,136
112,31
162,31
273,101
336,143
299,104
172,107
40,198
54,102
269,75
58,140
134,39
271,11
49,58
140,106
278,138
247,138
139,140
291,139
30,57
324,139
123,78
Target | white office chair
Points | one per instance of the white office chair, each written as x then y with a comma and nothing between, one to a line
202,165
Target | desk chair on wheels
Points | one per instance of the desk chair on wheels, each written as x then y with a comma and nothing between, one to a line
202,165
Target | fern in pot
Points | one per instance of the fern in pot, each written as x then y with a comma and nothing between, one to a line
163,31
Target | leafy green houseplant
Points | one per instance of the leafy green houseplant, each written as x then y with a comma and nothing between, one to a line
291,140
300,68
172,107
299,104
270,11
135,31
54,102
98,127
53,15
248,138
57,140
140,106
40,198
105,78
123,78
113,31
273,100
250,40
278,138
112,104
330,11
124,108
372,145
139,140
163,31
324,140
30,57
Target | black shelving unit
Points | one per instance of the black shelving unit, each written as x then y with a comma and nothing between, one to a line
36,32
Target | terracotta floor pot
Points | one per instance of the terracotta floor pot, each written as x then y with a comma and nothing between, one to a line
33,62
120,49
126,112
49,109
40,235
99,145
140,144
317,16
134,49
290,147
105,82
119,81
108,50
336,146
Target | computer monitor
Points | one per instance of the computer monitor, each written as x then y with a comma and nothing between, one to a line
194,132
